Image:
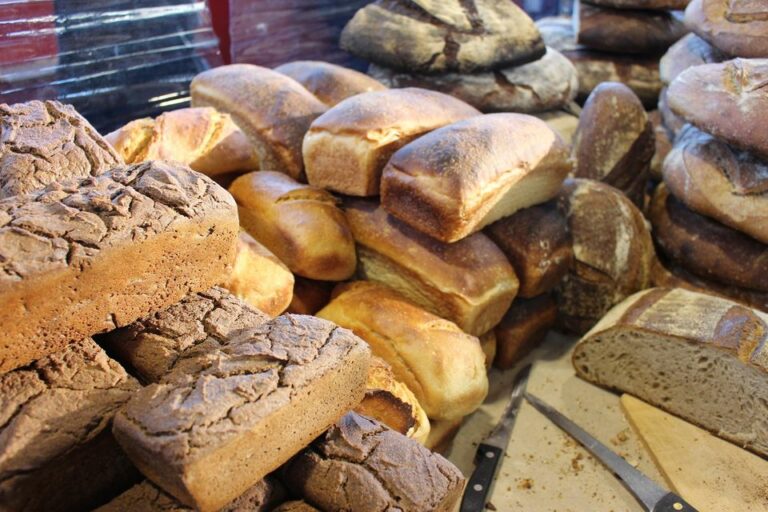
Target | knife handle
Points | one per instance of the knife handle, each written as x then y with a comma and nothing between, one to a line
487,461
673,503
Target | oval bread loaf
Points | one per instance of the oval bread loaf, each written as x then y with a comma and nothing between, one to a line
331,84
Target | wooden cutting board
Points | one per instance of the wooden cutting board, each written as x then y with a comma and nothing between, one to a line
713,475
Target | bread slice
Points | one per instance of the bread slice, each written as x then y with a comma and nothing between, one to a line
331,83
92,255
697,356
221,421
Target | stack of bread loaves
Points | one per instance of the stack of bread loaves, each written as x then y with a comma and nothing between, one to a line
485,52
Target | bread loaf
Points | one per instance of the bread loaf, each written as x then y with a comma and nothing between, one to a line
563,123
706,247
300,224
206,140
44,142
469,282
523,327
612,249
544,84
295,506
627,31
109,249
726,100
361,465
146,497
488,344
662,5
719,181
672,348
310,296
273,110
260,278
442,433
427,36
538,244
615,141
662,143
56,451
347,147
390,402
152,346
689,51
458,179
217,424
442,365
737,27
669,119
330,83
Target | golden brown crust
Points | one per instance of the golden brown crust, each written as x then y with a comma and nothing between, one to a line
300,224
469,282
456,180
522,328
331,84
274,110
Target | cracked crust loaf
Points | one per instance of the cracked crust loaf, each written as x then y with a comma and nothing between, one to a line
727,100
360,465
737,27
429,36
538,244
274,110
152,346
109,249
542,85
441,364
612,248
346,148
260,278
301,224
697,356
705,247
56,450
222,420
469,282
44,142
457,179
719,181
689,51
523,327
615,141
331,84
206,140
146,497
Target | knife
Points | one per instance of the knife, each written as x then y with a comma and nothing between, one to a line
491,450
651,496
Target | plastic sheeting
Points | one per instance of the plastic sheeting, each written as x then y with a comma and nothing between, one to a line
114,60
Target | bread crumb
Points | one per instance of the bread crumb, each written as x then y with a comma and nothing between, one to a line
525,483
621,438
576,463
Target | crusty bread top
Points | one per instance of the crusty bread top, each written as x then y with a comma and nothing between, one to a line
471,269
44,142
737,27
468,161
695,317
382,115
68,224
329,82
689,51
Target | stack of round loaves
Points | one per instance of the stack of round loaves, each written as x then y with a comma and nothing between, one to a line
485,52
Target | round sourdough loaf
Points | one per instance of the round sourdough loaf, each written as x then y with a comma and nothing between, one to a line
669,119
689,51
428,36
719,181
615,141
545,84
612,249
728,100
329,82
737,27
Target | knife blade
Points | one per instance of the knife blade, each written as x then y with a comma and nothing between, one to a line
491,450
651,496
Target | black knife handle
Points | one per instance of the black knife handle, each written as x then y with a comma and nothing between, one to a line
673,503
487,461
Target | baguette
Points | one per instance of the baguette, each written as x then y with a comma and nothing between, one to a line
330,83
672,348
469,282
442,365
274,110
456,180
300,224
523,327
222,421
110,249
346,148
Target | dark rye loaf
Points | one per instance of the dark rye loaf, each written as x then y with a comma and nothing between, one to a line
672,348
44,142
110,249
